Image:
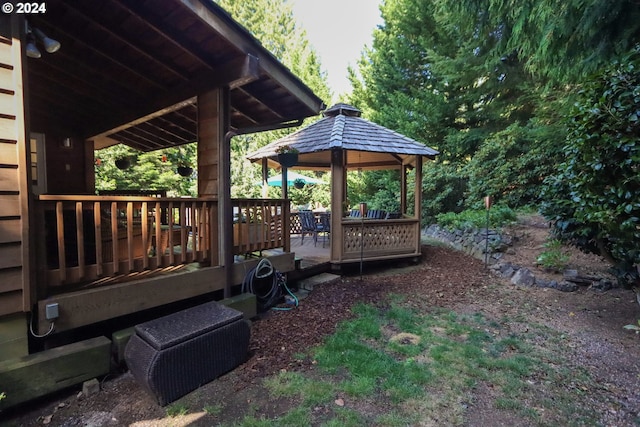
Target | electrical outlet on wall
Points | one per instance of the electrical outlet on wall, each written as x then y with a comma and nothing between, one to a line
51,311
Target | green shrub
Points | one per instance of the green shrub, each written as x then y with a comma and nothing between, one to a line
443,190
592,200
499,216
553,257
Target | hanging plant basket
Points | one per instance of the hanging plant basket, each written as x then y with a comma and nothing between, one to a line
299,184
123,163
288,160
185,171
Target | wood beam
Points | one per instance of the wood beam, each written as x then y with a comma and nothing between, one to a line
241,69
245,42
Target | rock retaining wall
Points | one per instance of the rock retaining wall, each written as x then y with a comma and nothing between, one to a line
490,246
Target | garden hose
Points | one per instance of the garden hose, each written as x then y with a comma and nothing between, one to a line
266,283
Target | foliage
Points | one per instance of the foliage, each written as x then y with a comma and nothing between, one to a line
553,257
510,165
273,24
560,39
592,200
434,82
444,187
177,409
155,170
496,125
499,216
286,149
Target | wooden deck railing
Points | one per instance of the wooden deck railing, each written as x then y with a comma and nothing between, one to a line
260,224
88,237
85,238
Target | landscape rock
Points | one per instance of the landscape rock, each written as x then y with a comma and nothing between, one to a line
565,286
523,277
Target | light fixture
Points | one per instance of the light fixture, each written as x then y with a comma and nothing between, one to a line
32,50
50,45
33,35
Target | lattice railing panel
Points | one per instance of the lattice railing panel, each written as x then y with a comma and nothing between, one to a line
376,239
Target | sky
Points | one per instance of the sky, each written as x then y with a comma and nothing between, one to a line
338,30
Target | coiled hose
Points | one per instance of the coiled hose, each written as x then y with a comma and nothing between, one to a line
266,284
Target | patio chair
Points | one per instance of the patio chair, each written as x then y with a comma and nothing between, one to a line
310,225
376,214
325,222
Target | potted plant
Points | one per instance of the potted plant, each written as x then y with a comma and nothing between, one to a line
123,163
287,156
299,183
184,169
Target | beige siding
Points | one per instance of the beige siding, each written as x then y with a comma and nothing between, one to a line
14,260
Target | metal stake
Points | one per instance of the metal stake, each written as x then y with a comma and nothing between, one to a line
487,203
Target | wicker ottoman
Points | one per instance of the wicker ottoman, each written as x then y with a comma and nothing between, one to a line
175,354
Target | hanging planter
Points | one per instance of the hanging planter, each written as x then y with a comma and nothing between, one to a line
123,163
287,156
299,184
185,171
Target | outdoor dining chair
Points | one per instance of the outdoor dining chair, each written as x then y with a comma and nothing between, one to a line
310,225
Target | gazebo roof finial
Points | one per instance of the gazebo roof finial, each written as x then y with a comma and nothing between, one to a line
344,109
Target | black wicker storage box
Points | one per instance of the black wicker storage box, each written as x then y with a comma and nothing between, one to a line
178,353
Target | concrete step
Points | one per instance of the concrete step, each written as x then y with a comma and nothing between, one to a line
310,282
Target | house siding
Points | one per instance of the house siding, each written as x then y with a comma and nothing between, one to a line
14,260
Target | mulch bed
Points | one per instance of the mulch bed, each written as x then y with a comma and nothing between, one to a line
278,336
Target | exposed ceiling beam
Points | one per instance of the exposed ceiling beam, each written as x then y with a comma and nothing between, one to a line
243,69
247,43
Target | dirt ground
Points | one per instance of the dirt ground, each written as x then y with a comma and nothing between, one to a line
592,322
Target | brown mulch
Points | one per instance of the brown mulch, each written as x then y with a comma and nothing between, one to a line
280,335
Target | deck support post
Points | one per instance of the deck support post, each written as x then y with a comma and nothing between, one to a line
214,161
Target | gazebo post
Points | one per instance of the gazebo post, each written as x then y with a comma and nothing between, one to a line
338,199
403,188
418,187
265,176
418,200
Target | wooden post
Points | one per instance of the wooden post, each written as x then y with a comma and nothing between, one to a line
403,188
418,199
338,200
214,170
265,177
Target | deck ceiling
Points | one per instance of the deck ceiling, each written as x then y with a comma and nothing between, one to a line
129,71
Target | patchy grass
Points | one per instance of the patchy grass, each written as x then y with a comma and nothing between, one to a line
395,365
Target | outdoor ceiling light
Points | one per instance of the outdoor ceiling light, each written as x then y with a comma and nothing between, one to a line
32,50
33,35
50,45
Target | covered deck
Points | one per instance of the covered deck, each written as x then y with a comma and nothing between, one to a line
149,75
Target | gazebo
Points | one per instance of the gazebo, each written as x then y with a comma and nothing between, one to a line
343,140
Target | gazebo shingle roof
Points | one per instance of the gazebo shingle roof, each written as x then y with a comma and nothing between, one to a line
342,127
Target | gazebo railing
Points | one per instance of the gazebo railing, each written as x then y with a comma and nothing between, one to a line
373,239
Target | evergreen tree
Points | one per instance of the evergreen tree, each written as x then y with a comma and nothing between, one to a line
273,24
561,39
442,84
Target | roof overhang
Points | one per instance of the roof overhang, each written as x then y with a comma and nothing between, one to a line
367,144
129,71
